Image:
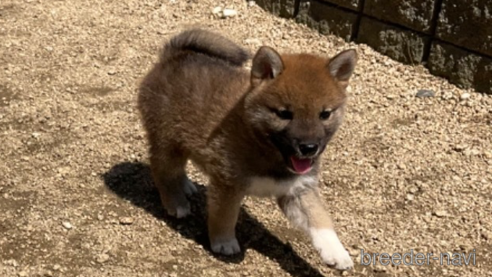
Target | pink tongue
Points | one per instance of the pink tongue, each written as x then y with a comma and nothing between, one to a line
301,166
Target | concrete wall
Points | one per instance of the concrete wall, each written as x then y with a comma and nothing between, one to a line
453,38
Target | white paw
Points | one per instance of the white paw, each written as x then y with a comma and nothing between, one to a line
331,249
183,211
189,188
226,246
340,258
179,211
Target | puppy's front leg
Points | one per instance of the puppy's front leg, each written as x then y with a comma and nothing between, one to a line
224,203
306,211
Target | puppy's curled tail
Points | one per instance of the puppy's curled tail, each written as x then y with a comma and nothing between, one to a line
208,43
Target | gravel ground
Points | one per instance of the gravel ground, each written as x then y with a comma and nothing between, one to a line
75,194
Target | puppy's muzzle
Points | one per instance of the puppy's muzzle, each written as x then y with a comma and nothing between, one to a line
308,149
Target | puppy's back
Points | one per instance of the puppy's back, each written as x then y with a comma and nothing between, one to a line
196,82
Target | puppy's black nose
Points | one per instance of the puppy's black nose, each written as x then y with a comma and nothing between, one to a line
308,149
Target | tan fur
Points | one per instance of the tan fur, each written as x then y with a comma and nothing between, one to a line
199,104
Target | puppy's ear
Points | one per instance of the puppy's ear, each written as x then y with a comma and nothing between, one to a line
267,65
342,66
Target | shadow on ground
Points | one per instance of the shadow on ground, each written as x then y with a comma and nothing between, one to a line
132,181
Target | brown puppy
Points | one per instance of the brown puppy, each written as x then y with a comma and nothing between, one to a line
253,133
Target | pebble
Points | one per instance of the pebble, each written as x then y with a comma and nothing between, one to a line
413,189
22,274
224,13
102,258
126,220
253,41
12,262
401,166
464,96
56,267
425,93
460,147
217,10
486,235
67,225
229,13
440,213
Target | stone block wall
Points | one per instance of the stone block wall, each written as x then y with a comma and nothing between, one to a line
452,38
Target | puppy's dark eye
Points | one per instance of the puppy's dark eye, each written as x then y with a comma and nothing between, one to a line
284,114
324,115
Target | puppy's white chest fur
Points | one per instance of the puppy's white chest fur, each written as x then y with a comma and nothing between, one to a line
268,187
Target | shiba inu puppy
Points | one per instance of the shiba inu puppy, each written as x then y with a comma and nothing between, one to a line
253,133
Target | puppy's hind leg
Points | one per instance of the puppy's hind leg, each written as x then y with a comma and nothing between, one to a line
305,210
168,163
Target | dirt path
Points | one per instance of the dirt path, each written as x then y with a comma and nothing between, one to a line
76,199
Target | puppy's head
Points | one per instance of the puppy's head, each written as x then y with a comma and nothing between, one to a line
297,103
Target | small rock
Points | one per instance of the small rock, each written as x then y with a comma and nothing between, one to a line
126,220
217,10
223,13
466,247
48,273
56,267
228,13
251,3
379,268
460,147
253,41
440,213
413,189
35,135
464,96
353,252
12,262
100,217
22,274
425,93
67,225
447,95
390,96
410,197
102,258
471,152
401,166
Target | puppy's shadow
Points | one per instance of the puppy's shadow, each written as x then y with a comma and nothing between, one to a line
133,182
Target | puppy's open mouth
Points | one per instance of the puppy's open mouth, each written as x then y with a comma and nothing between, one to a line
301,165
